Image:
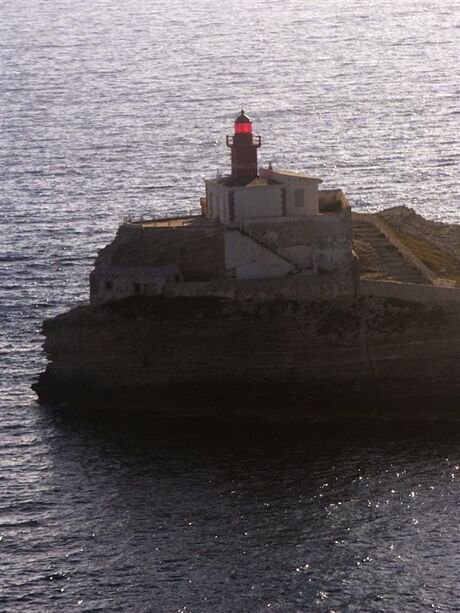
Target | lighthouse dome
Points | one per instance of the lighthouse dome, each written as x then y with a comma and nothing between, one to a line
242,118
243,124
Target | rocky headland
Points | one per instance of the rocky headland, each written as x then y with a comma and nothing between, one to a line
355,355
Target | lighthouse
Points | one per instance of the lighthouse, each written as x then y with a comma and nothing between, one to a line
244,145
250,193
255,223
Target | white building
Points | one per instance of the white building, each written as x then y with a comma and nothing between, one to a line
273,194
254,224
271,216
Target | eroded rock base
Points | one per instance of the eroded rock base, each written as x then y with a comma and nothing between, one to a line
368,357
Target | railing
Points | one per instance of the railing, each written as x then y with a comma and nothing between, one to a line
269,244
181,214
256,140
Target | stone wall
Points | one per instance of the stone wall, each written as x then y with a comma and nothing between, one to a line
247,259
205,251
328,238
117,282
409,291
296,287
197,250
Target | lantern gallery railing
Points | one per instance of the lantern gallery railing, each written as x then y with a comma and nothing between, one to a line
256,140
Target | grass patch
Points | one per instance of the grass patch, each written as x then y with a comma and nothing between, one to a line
440,262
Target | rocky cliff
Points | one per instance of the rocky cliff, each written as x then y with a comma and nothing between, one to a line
210,355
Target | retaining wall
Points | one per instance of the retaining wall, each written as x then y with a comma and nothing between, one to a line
295,287
409,291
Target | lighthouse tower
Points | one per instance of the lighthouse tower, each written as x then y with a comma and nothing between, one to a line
244,148
254,195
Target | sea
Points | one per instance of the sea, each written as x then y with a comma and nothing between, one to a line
112,108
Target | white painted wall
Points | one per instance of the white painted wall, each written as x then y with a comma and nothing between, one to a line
333,259
222,197
292,182
250,260
263,201
259,201
301,254
211,195
253,202
217,201
322,242
310,197
319,240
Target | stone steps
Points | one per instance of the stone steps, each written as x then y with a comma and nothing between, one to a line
267,244
379,259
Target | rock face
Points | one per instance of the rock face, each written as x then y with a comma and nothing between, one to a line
374,342
209,355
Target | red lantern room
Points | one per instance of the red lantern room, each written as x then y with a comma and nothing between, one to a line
243,125
244,148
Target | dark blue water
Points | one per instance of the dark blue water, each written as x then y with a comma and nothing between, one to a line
111,108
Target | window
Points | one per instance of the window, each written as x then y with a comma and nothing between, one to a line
137,287
298,198
108,285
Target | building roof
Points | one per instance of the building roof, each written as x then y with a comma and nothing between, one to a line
271,173
242,118
257,181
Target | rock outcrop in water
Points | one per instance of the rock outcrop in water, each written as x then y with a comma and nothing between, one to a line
369,357
389,346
